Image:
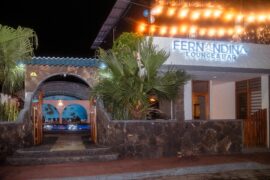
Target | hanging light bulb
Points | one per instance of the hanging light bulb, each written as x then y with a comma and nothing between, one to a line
163,30
60,103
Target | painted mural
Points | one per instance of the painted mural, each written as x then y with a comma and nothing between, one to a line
74,116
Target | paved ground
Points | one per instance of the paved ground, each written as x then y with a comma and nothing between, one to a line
241,166
262,174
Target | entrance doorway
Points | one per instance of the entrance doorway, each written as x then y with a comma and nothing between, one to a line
249,108
61,105
200,99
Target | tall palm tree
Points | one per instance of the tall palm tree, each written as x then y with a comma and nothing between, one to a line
132,75
16,45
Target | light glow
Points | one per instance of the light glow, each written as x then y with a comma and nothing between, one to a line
229,16
221,32
202,32
195,15
207,13
171,11
261,18
183,13
142,28
152,29
60,103
193,29
239,17
183,29
33,74
163,30
157,10
211,32
217,13
230,31
251,19
173,30
239,30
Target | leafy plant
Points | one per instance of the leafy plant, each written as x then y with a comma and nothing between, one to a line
16,45
8,111
132,75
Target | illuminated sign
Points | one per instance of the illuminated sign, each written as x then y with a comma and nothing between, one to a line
209,50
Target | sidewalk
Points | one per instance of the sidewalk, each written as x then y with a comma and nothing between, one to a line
139,168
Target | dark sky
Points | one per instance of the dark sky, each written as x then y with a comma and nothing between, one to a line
64,28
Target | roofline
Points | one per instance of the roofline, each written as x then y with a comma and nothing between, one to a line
62,61
119,8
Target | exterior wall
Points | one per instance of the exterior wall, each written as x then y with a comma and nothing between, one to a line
19,134
73,89
265,101
15,134
89,74
157,138
140,138
167,108
257,52
188,100
212,137
222,97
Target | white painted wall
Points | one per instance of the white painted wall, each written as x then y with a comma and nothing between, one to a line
257,55
188,100
222,100
265,101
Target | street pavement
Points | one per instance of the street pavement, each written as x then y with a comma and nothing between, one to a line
213,167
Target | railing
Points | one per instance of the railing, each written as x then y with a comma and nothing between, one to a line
255,129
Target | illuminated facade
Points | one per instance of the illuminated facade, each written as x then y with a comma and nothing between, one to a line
229,80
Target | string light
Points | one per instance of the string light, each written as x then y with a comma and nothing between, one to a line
163,30
173,31
183,13
171,11
195,15
200,19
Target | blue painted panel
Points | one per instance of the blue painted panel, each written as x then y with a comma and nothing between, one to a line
60,97
49,113
75,113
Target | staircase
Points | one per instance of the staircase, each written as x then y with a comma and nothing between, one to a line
58,151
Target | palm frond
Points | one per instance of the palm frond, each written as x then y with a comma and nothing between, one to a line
16,45
133,64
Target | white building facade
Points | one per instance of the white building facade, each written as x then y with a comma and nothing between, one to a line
229,80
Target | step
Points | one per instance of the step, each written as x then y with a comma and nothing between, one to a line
63,153
56,160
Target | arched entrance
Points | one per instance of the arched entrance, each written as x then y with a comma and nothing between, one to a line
61,103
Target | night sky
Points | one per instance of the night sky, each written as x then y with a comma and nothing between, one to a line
64,28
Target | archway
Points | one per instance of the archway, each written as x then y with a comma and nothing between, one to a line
65,104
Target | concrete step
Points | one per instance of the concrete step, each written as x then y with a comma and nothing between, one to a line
60,159
62,153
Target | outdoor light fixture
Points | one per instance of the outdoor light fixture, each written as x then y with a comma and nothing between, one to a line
60,103
152,98
33,74
214,20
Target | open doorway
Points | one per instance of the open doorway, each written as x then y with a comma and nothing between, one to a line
200,99
63,107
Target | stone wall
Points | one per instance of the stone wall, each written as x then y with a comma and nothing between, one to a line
67,88
89,74
211,137
139,138
157,138
14,135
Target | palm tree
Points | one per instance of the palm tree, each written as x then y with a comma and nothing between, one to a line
16,45
132,75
